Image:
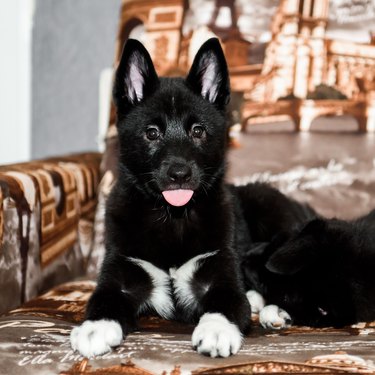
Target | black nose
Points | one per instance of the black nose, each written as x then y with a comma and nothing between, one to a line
179,173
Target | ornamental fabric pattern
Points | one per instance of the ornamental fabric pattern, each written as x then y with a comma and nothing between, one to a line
36,337
46,224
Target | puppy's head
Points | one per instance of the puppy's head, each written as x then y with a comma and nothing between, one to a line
172,131
309,272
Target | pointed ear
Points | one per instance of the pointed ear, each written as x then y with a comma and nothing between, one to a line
208,75
291,258
300,251
135,77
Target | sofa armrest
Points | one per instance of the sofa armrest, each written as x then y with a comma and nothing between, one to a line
47,209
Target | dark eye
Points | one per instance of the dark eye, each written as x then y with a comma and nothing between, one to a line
197,131
152,133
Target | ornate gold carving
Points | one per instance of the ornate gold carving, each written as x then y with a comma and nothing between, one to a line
299,58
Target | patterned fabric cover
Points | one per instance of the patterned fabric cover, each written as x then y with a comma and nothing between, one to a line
36,340
46,224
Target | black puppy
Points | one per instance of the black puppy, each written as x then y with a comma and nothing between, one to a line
174,230
323,275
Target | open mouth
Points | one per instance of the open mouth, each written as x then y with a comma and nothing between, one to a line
178,197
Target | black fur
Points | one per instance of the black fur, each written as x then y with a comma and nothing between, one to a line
322,275
139,222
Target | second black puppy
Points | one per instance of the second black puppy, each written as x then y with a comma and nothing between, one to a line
323,275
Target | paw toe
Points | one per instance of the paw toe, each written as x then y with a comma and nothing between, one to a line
272,317
215,336
256,301
96,337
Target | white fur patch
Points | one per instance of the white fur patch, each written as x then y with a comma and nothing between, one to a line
135,90
96,337
161,295
209,80
256,301
216,336
181,279
271,316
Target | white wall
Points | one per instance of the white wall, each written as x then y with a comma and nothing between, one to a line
15,79
73,42
105,94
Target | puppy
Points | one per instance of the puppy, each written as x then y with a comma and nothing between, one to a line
322,275
175,232
170,239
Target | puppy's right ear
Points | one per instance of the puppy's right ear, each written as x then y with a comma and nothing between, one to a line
135,77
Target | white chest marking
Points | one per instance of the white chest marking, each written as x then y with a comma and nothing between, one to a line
177,283
161,294
181,279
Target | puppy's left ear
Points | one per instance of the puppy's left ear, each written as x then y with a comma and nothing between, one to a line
208,75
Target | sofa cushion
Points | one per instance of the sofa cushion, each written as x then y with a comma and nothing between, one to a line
46,223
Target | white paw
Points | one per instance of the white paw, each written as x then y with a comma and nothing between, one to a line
96,337
271,316
216,336
256,301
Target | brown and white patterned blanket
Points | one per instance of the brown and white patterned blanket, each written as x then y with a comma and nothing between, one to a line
35,339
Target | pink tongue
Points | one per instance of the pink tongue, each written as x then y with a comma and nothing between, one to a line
178,197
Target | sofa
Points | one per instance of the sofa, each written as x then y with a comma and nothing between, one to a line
51,248
52,245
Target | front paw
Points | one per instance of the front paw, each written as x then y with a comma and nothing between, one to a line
256,301
96,337
272,317
215,336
